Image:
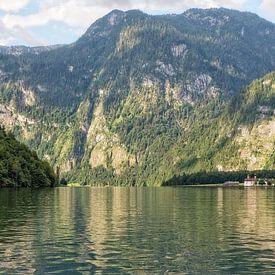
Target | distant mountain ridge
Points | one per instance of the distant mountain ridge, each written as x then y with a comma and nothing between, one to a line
135,91
18,50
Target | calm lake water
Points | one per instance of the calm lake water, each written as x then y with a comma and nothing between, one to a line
129,230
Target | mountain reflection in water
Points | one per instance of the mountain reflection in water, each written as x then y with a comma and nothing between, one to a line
126,230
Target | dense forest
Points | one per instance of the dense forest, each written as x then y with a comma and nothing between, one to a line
20,167
139,99
218,177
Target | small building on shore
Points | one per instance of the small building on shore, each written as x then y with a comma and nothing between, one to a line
251,181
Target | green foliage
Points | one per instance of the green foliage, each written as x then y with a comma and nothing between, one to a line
19,167
216,177
170,88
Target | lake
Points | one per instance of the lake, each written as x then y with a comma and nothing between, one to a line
137,230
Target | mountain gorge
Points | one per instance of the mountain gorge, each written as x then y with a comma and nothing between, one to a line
139,98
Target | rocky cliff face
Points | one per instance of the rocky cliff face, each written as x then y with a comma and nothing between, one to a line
138,97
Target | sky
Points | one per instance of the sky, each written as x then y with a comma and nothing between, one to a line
48,22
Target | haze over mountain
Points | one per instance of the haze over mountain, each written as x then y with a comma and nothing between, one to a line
140,98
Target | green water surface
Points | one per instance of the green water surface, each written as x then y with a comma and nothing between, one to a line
137,231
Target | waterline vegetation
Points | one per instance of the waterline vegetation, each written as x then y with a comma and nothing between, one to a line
213,178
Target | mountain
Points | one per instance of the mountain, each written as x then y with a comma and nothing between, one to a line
255,121
139,98
19,167
239,135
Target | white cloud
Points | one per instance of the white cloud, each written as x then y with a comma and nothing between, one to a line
17,35
268,7
13,5
72,13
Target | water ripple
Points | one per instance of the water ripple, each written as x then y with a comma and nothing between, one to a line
129,230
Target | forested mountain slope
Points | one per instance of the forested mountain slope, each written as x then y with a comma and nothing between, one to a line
138,98
19,167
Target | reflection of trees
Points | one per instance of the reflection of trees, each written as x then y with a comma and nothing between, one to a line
256,227
16,232
151,229
121,230
129,229
248,237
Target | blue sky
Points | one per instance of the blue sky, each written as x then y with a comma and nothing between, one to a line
45,22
